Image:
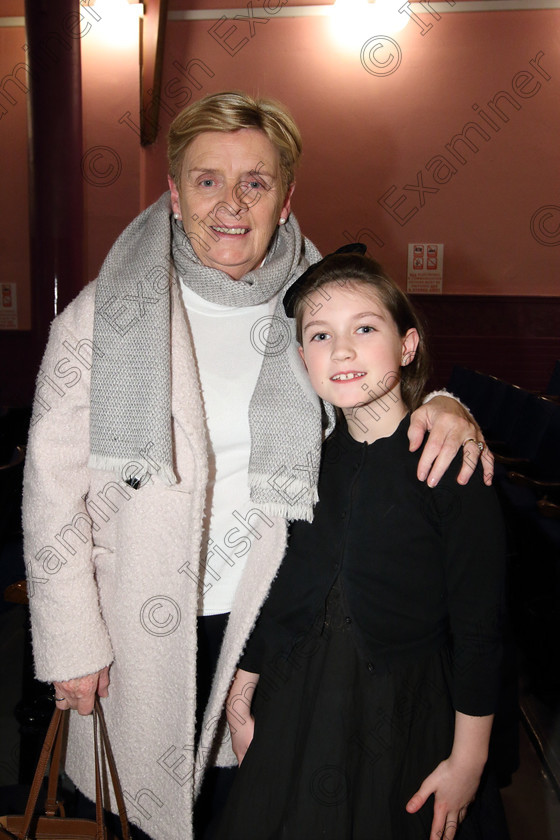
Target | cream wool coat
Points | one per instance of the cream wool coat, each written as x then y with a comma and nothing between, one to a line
113,579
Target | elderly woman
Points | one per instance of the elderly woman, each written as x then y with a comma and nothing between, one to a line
174,434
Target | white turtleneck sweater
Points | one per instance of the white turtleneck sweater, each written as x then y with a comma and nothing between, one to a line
228,345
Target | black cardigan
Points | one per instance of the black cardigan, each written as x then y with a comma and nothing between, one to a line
416,564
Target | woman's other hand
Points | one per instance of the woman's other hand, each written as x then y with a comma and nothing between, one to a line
450,426
80,693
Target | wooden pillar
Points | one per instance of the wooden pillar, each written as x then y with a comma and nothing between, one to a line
151,64
54,29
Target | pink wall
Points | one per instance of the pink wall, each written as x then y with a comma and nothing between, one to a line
363,135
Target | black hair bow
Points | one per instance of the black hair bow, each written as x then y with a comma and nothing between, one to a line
293,292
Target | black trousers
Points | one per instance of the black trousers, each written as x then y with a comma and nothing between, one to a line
218,780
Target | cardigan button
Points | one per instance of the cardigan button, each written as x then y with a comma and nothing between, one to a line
371,667
348,620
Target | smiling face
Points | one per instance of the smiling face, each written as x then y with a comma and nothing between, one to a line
353,353
230,198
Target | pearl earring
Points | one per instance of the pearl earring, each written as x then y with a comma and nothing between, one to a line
282,221
176,216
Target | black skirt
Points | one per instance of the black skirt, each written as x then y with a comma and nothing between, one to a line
338,750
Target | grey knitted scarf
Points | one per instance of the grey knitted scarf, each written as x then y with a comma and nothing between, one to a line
130,387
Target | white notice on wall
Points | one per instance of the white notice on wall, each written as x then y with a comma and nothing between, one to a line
8,307
425,268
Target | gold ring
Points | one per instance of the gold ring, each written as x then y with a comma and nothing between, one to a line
476,442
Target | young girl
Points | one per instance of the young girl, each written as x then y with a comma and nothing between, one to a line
378,648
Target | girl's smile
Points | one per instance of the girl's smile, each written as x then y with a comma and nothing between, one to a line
346,376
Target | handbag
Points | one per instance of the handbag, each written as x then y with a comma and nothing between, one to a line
54,825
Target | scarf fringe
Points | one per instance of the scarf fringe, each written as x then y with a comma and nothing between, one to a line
287,511
119,465
292,507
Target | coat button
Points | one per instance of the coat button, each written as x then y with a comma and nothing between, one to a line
371,667
348,620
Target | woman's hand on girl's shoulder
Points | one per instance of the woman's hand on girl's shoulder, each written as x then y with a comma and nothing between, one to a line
450,427
454,787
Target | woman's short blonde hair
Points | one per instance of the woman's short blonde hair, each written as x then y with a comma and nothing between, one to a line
230,111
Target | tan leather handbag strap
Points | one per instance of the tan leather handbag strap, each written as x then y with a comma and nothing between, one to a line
112,769
53,745
52,731
52,805
100,833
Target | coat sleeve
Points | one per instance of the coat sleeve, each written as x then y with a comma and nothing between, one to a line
474,543
70,638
